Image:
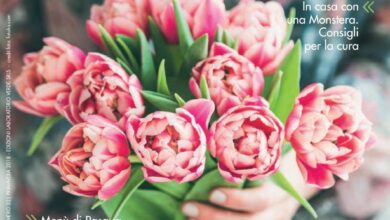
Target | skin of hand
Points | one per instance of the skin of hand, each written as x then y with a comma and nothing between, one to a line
266,201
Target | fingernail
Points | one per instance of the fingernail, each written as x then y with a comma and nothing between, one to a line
218,197
190,210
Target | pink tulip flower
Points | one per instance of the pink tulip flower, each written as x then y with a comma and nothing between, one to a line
247,141
261,29
118,17
230,77
44,75
329,133
203,17
102,87
93,159
172,146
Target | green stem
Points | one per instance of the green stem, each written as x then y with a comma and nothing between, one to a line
40,134
134,159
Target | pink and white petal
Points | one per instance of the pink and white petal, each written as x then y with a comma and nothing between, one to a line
319,177
154,177
194,88
218,49
202,110
27,108
93,32
114,185
77,192
208,16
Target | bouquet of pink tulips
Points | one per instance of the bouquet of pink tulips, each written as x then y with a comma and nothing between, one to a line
189,97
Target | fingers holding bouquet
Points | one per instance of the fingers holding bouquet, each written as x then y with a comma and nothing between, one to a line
264,201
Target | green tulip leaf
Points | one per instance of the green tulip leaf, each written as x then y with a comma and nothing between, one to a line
97,204
110,44
204,89
235,44
218,35
136,179
40,134
125,66
157,36
289,85
197,52
179,215
160,101
174,189
210,162
267,86
130,56
209,181
145,205
183,30
162,85
180,86
180,100
253,183
148,72
134,159
171,53
131,43
290,27
227,38
280,180
287,147
275,88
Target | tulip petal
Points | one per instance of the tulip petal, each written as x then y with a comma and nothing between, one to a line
201,109
93,32
208,16
319,177
218,49
194,87
111,187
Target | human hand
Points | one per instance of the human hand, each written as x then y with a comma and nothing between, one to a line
267,201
